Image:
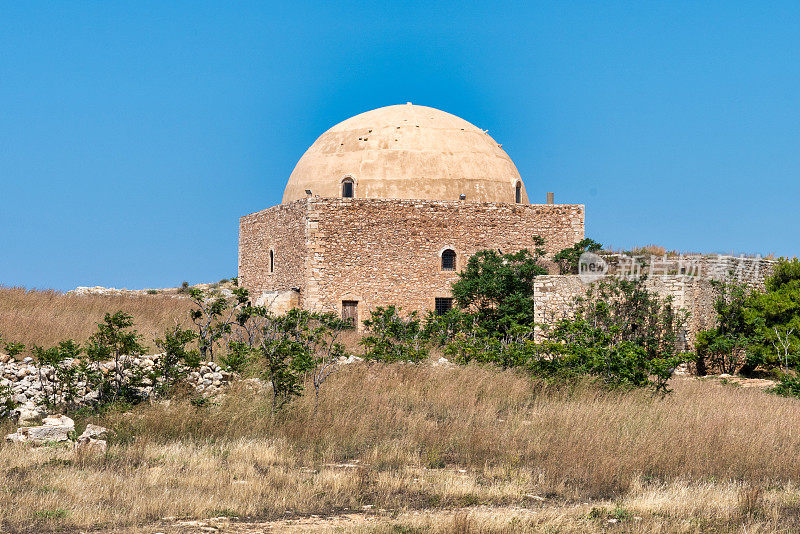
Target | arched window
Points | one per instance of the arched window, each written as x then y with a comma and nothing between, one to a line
518,193
271,261
347,188
449,260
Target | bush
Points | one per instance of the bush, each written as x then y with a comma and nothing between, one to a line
621,333
7,403
239,356
789,386
392,338
68,371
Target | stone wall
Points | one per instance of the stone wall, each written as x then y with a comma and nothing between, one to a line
381,252
281,229
555,298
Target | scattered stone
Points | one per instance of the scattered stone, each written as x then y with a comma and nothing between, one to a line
56,428
94,432
90,446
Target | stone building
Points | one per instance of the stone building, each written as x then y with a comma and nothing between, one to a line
385,208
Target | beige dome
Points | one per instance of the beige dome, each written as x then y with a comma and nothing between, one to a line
407,151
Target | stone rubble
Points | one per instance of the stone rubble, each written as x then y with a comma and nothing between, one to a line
54,429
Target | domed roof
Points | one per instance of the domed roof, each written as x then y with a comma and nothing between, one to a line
410,152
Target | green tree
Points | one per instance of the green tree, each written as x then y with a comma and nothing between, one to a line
292,346
567,259
498,288
725,346
774,319
175,360
61,387
115,341
214,316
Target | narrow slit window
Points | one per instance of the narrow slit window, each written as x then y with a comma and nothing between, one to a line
347,188
518,193
271,261
443,305
449,260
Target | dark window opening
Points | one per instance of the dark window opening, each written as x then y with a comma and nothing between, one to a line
518,194
347,189
449,260
350,311
271,261
443,305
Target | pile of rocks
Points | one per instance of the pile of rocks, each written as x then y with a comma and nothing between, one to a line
60,428
31,384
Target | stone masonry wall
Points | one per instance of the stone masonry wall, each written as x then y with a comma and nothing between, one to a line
555,298
283,230
381,252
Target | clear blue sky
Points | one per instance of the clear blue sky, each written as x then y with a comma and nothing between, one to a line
134,134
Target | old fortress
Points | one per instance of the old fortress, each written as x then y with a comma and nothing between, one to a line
385,208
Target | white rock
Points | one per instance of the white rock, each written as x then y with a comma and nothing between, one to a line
94,432
58,420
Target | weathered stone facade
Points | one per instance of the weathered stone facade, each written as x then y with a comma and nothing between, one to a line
379,251
555,298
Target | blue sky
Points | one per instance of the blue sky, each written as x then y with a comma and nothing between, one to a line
134,134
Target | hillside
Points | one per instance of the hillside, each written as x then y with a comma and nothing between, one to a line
46,317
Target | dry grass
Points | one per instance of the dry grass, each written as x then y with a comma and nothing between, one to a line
46,317
406,438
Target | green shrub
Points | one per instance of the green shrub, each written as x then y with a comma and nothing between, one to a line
392,338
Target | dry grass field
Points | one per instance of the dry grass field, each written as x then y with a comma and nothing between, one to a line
418,448
44,318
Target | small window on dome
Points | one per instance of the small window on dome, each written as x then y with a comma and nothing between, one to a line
518,193
449,260
347,188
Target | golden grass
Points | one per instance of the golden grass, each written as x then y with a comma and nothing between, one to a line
46,317
446,443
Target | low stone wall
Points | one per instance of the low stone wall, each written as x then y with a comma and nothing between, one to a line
29,383
555,297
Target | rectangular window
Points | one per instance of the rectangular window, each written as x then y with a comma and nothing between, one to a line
347,189
350,311
443,305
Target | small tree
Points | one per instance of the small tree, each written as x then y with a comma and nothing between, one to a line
773,319
568,258
725,346
214,316
62,385
115,341
176,359
292,346
498,288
